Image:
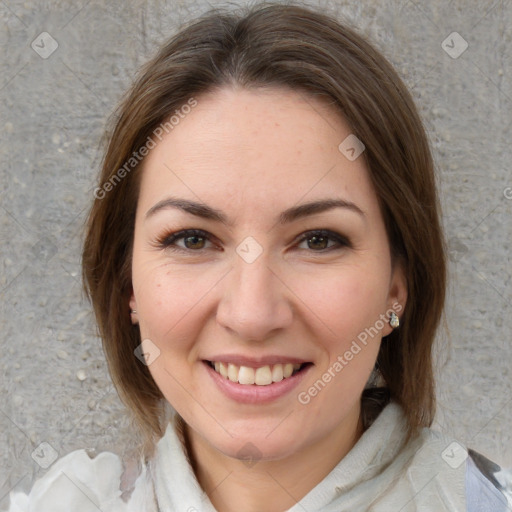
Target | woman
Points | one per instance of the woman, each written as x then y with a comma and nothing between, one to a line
264,255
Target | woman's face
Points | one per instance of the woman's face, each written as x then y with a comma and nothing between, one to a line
288,264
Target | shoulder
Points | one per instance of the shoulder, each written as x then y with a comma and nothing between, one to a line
488,487
460,471
83,484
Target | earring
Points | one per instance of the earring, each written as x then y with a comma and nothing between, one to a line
394,321
133,312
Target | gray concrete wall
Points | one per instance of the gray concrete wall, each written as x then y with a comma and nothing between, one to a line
53,108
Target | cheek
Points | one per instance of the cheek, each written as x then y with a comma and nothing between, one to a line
348,307
170,315
168,302
345,301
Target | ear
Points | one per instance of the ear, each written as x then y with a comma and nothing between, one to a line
397,295
133,307
133,302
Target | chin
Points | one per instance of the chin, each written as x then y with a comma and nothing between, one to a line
253,440
250,450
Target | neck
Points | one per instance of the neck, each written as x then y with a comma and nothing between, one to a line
271,485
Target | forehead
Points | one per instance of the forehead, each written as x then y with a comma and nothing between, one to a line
262,146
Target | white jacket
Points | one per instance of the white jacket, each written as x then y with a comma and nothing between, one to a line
380,474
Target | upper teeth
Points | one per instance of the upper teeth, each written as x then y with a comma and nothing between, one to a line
262,376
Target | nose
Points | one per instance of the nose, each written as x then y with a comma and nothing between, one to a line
255,304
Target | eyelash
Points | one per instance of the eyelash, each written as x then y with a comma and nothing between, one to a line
168,241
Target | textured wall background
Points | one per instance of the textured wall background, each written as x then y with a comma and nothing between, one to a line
53,109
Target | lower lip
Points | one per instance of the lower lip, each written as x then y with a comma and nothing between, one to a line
252,393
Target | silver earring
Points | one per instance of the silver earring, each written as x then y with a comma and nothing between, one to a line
133,312
394,321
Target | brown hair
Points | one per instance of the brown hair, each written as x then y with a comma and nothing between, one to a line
297,48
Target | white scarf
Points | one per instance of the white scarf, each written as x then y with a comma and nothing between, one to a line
379,474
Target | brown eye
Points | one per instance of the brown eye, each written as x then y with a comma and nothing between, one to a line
187,240
323,241
194,242
318,242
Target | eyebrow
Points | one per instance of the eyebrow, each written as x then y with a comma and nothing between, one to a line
289,215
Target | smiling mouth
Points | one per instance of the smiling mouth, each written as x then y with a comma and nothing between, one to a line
261,376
